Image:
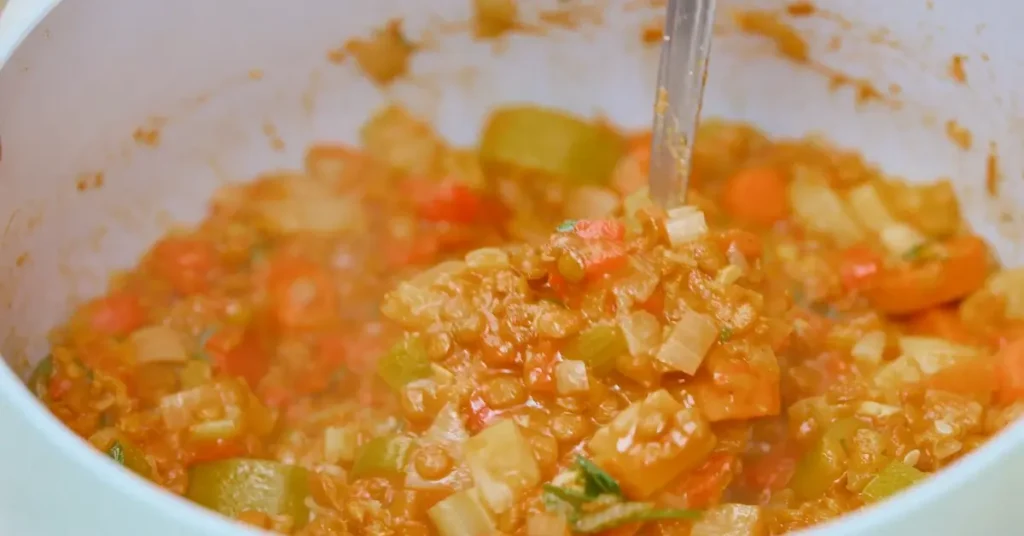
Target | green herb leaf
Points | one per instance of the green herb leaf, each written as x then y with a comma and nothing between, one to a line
725,334
915,252
570,496
595,480
116,452
566,226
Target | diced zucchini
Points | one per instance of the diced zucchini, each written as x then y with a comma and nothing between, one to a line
407,361
826,461
40,377
892,479
383,456
598,347
238,485
820,209
550,142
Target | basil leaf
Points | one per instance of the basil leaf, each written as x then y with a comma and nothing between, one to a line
595,480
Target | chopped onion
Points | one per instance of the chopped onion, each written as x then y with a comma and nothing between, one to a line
933,354
901,239
1009,284
921,357
215,430
487,258
462,514
502,464
642,331
870,348
685,224
867,206
571,377
688,342
546,524
731,519
339,444
155,344
869,408
819,208
728,275
591,202
307,205
448,428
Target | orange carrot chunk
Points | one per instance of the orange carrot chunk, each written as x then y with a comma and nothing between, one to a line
756,195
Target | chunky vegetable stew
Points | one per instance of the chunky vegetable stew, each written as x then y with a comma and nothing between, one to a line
412,338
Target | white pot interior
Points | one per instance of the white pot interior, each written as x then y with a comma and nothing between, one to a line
94,72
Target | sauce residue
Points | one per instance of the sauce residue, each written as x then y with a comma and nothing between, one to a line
959,135
88,181
992,175
956,68
792,46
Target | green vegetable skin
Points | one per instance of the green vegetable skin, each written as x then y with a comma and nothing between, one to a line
37,381
536,139
892,479
236,485
405,362
382,456
131,457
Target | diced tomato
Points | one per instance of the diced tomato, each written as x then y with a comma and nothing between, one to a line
302,293
116,315
220,449
331,349
186,263
480,415
58,386
453,203
600,229
772,471
1011,371
239,353
859,266
604,258
704,486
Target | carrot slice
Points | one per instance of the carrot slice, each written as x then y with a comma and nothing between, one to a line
1011,372
943,322
756,195
972,376
915,288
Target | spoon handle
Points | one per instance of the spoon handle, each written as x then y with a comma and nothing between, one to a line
685,45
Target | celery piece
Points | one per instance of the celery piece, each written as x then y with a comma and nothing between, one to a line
405,362
236,485
892,479
826,461
598,347
382,456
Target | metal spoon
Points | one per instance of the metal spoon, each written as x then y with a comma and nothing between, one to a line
686,42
